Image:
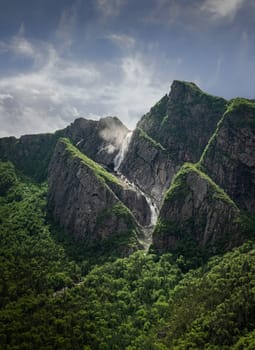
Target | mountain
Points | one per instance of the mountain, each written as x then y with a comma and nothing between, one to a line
176,129
109,237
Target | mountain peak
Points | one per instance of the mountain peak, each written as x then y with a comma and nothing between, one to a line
181,89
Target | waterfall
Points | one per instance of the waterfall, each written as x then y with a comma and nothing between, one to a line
153,209
123,150
147,230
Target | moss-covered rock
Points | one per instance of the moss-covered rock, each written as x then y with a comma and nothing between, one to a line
229,156
197,217
176,130
81,200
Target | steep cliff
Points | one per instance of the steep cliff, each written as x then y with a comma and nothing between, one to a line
183,121
176,130
148,165
100,140
197,216
91,204
229,156
82,202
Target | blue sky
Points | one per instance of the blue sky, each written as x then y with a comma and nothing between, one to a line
63,59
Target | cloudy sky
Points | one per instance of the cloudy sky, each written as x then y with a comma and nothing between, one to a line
63,59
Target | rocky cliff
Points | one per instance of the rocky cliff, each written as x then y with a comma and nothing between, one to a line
229,157
100,140
104,180
197,215
90,203
176,130
148,165
82,202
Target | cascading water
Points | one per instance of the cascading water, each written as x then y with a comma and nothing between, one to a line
122,152
147,230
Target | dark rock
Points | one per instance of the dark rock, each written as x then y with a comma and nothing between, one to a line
196,213
148,165
176,130
229,157
82,202
100,140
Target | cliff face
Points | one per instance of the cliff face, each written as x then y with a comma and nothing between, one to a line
176,130
229,157
196,213
148,165
200,210
82,202
183,121
100,140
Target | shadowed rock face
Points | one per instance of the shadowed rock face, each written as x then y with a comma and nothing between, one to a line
100,140
82,202
176,130
229,158
183,121
89,203
148,165
196,210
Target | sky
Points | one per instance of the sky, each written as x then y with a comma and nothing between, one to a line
63,59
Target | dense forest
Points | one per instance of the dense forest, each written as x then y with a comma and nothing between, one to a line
55,297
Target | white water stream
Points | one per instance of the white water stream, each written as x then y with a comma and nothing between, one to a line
123,150
147,230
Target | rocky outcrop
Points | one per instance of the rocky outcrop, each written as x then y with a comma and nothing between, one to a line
196,214
100,140
176,130
90,203
229,157
148,165
184,121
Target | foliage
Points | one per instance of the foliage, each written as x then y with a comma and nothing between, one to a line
179,187
51,296
95,167
7,177
30,154
156,144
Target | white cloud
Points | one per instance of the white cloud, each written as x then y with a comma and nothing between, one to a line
122,40
56,90
218,9
110,8
19,46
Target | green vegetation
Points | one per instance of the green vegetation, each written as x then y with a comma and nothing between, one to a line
243,113
148,138
7,177
30,154
52,300
30,261
99,171
179,188
240,104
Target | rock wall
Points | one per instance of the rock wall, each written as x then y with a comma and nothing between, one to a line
196,210
229,157
82,200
